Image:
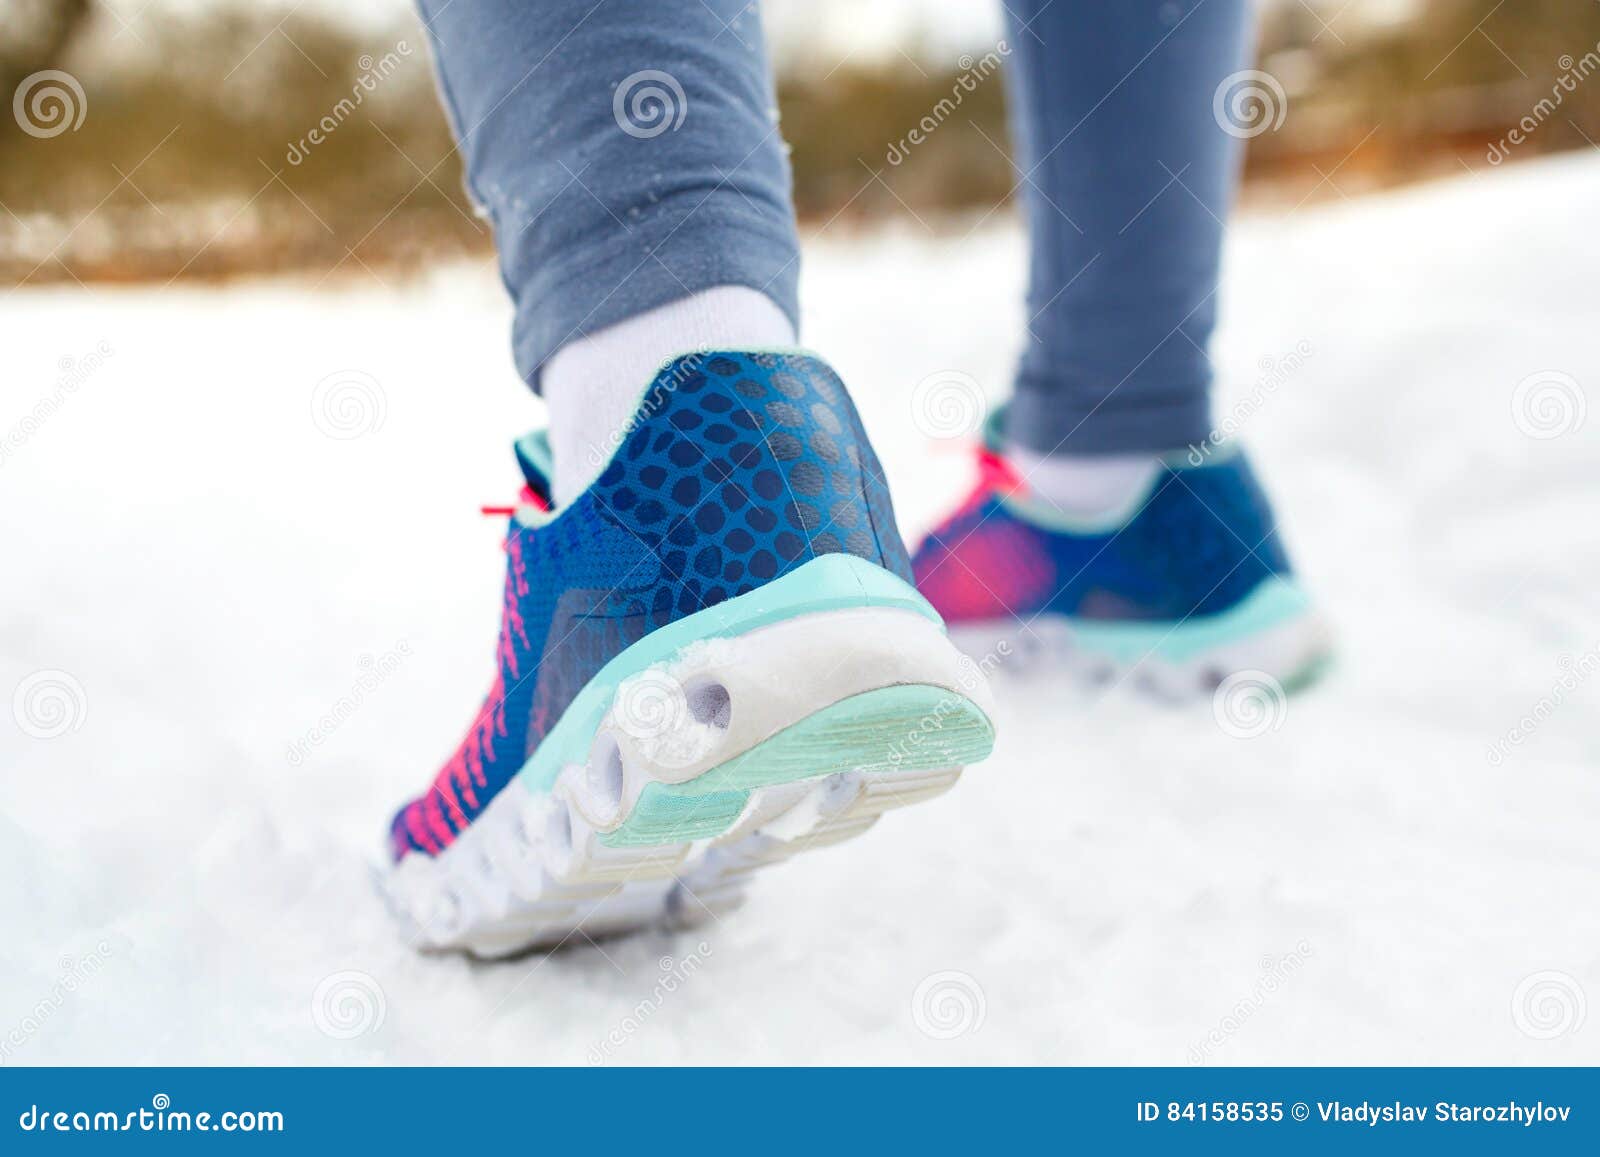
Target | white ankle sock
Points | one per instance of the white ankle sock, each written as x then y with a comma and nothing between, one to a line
1085,485
592,386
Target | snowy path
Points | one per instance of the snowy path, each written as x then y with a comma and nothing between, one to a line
212,568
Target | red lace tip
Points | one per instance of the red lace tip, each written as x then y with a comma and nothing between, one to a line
528,497
997,473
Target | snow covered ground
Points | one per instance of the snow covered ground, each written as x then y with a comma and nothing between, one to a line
203,572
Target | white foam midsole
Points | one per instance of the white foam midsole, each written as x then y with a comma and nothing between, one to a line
534,861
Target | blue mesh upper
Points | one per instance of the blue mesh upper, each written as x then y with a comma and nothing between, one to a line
1200,544
737,469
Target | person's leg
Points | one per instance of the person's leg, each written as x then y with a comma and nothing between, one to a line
628,157
710,652
1127,180
1085,525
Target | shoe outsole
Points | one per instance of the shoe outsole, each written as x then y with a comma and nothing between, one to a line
826,721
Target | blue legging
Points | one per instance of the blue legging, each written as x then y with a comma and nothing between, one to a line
628,154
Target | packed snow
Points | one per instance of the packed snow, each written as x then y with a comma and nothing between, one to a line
206,553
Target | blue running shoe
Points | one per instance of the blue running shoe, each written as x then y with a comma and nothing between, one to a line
1184,588
712,658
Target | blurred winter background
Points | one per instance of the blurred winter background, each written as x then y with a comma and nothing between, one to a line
188,164
239,624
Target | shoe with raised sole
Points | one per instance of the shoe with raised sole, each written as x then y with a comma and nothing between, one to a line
711,659
1185,586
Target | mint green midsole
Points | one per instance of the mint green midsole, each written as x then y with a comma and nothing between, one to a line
907,727
1274,602
831,583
